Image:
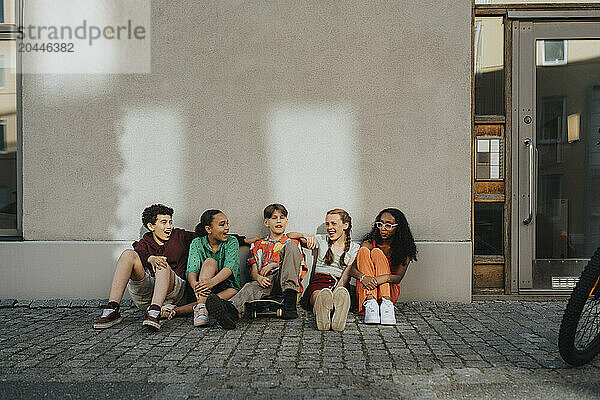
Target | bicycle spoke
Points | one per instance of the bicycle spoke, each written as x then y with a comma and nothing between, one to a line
585,327
581,338
589,326
585,317
580,335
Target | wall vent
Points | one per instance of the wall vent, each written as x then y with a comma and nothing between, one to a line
564,282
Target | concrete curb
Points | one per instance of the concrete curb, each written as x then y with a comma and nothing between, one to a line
60,303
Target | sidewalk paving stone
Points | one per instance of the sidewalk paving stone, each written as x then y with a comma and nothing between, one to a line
95,303
63,303
78,303
5,303
37,303
437,350
23,303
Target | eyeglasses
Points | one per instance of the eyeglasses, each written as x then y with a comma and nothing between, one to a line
387,225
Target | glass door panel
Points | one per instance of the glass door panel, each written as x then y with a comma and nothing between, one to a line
558,152
568,159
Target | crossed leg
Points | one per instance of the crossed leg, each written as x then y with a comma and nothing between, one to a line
208,270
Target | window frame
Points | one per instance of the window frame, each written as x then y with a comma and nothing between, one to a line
3,137
14,32
17,26
5,190
478,48
502,210
564,61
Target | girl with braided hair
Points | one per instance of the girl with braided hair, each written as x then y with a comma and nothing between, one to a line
335,252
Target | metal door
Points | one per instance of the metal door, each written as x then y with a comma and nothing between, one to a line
555,151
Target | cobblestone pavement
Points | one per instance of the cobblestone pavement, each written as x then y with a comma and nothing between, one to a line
436,351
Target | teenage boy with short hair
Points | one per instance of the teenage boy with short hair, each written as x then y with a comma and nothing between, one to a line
276,267
155,270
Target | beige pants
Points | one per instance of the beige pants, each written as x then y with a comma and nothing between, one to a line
286,277
141,291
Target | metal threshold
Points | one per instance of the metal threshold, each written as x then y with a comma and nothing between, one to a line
526,295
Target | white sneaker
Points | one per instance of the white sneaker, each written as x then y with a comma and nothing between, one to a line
167,311
388,314
371,312
200,315
322,309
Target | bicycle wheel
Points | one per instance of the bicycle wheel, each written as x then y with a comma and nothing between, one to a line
579,336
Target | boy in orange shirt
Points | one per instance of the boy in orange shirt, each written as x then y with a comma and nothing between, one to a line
276,267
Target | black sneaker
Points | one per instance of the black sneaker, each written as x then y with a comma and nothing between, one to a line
289,304
223,311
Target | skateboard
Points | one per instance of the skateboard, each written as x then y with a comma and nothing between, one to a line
265,307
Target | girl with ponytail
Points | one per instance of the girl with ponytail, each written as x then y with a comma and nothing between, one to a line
335,252
213,265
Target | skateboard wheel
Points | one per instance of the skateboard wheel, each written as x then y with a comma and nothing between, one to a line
254,314
279,312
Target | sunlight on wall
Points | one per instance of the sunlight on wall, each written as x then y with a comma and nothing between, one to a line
86,37
57,14
151,148
312,166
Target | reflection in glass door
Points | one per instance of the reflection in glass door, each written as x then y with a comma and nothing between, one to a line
559,168
8,139
568,108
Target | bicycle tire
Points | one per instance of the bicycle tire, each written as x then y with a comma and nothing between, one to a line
579,335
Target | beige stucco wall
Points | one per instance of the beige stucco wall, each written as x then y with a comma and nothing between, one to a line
72,270
360,105
236,86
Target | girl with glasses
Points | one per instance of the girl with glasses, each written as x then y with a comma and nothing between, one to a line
381,264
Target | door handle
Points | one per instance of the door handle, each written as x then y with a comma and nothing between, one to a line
529,143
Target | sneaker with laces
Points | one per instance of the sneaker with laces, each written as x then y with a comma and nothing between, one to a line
387,312
167,311
200,315
371,312
322,308
341,306
109,317
152,317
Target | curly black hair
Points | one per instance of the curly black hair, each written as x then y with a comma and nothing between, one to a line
150,214
403,244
